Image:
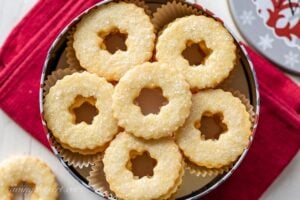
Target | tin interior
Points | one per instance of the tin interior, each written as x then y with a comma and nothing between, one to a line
193,187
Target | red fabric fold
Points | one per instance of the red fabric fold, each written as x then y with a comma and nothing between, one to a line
278,134
22,57
277,139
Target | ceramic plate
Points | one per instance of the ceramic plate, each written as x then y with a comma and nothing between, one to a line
272,27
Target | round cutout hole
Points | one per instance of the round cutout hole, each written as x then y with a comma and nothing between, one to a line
114,41
141,164
196,53
211,126
83,109
150,100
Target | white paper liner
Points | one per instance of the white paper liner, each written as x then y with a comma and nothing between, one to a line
55,76
71,58
246,102
170,11
97,180
204,172
75,159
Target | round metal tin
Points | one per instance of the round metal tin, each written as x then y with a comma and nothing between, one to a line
56,51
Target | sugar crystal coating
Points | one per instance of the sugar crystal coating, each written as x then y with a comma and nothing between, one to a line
167,173
131,20
170,117
82,137
230,145
173,40
30,170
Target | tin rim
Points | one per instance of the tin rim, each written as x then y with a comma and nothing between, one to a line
248,70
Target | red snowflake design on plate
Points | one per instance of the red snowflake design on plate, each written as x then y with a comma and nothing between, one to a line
283,17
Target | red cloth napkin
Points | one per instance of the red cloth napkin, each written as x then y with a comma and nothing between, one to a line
277,139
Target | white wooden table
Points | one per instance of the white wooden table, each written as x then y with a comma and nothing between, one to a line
15,141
